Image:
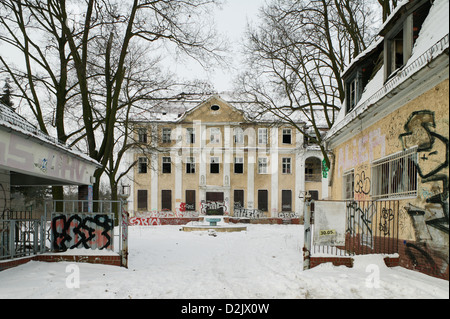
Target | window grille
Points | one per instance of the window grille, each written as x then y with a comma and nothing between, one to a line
395,175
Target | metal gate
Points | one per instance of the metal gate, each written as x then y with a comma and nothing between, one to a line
20,235
369,227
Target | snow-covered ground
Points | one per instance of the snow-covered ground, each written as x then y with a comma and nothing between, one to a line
263,262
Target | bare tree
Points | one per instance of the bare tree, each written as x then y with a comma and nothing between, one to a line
387,6
295,58
107,53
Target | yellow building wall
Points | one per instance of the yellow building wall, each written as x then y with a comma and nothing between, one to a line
422,122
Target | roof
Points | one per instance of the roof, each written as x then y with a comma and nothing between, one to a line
174,111
432,42
11,120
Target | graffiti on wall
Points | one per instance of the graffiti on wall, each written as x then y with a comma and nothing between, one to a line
145,221
82,231
359,221
362,150
214,207
21,153
430,216
167,214
362,186
242,212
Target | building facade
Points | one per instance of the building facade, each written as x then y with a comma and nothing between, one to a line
391,139
29,157
211,159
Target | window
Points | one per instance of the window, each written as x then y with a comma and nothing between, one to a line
349,185
313,169
214,135
238,165
262,165
190,136
166,200
166,165
142,165
238,135
214,165
286,200
395,175
263,200
190,165
287,136
166,132
142,199
215,107
286,165
262,136
238,198
352,94
190,200
142,134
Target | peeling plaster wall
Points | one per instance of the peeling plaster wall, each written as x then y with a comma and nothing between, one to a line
423,123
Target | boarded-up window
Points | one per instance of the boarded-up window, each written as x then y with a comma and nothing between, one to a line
263,200
166,200
286,200
142,199
238,198
190,200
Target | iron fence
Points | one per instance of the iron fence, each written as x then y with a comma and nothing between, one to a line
21,237
371,227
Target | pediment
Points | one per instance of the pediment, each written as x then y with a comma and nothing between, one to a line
215,109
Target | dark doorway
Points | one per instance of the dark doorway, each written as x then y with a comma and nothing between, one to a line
216,203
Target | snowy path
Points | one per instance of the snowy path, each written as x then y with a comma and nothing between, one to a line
264,262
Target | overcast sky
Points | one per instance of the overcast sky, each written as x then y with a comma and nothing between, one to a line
231,21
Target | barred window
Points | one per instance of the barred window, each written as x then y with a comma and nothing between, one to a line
395,175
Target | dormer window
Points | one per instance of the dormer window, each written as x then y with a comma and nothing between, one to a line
352,93
401,35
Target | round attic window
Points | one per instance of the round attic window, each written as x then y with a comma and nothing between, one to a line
215,107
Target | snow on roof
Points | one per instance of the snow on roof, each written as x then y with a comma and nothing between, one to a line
13,121
432,41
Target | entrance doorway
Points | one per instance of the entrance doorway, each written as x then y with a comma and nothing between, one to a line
216,203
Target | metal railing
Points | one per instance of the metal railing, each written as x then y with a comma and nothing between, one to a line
85,224
371,227
21,237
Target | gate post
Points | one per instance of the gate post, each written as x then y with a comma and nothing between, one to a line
307,231
124,238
